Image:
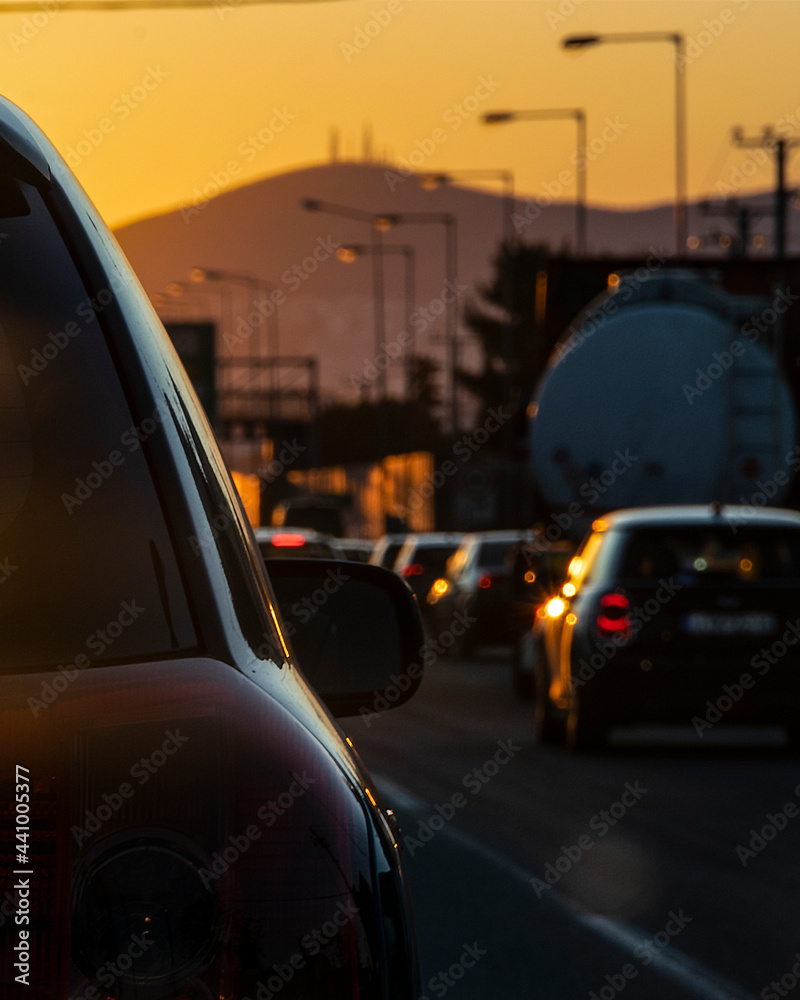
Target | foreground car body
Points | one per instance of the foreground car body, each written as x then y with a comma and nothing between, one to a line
182,817
674,614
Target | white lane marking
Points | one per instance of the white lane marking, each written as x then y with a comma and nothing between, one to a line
670,962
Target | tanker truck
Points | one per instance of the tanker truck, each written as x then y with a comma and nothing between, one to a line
666,389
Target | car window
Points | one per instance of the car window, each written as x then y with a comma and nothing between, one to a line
695,555
75,481
494,553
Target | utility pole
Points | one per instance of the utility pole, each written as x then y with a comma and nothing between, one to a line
779,147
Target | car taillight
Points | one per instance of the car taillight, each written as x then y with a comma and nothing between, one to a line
289,539
613,616
485,581
413,569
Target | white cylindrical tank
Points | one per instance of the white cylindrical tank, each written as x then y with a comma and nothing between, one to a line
666,391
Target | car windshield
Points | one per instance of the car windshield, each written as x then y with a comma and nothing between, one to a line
698,555
75,481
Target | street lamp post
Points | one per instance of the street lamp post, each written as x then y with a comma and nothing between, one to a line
576,42
550,114
352,251
432,181
199,275
383,223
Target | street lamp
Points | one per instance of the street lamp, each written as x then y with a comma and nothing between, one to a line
433,181
199,275
550,114
577,42
350,253
383,223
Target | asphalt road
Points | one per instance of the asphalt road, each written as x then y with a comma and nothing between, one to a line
535,873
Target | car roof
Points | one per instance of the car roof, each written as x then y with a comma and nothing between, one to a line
698,514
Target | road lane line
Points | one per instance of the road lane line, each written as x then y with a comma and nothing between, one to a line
671,963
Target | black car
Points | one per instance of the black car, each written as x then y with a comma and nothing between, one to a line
683,614
182,817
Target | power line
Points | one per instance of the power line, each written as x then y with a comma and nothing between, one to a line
35,6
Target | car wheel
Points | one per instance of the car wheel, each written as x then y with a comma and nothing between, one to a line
523,666
548,727
586,731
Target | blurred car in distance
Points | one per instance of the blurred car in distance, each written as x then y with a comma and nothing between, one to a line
682,614
357,549
386,549
477,584
319,513
188,808
538,569
296,543
422,559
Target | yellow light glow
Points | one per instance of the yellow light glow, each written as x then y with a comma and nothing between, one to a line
613,282
568,589
347,254
440,587
555,607
530,576
571,618
575,566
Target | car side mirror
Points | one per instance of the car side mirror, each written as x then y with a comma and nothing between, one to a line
355,628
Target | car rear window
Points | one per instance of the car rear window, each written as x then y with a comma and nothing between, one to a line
698,555
87,568
494,553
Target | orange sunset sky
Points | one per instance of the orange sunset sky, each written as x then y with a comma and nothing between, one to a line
152,106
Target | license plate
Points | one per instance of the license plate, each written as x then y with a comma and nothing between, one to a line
730,623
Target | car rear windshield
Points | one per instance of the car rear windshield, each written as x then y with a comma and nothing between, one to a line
711,554
87,568
495,553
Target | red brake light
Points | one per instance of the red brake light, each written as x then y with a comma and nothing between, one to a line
614,614
413,569
288,540
485,581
